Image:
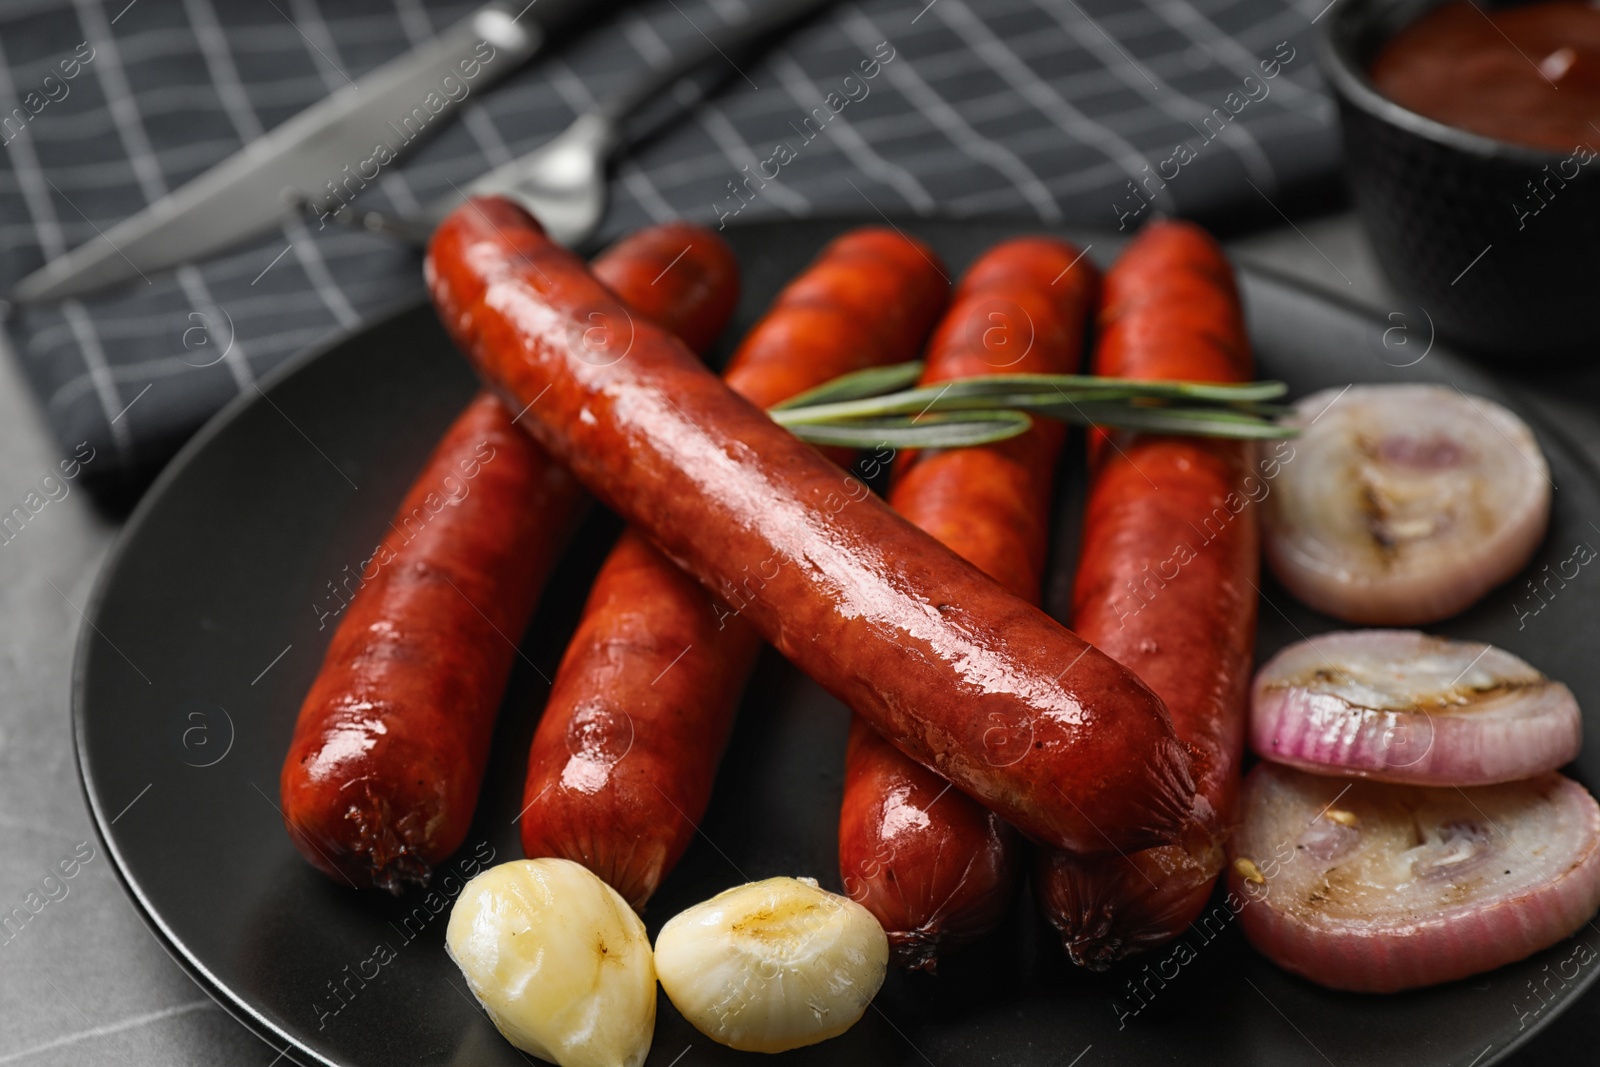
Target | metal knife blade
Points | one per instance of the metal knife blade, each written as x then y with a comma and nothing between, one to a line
319,156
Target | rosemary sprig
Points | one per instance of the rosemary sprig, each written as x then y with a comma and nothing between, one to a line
874,381
880,406
959,429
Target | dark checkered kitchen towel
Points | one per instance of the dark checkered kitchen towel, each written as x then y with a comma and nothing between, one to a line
1089,111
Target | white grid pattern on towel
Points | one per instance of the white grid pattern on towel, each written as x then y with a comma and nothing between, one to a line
1043,108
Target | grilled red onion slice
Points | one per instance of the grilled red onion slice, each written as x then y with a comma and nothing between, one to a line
1404,504
1375,888
1401,706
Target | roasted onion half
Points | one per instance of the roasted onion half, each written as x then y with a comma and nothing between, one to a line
1401,706
1404,504
1374,887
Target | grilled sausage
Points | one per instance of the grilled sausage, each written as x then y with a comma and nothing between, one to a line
622,765
934,866
1165,585
961,675
383,771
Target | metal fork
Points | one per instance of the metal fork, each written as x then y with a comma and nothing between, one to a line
563,181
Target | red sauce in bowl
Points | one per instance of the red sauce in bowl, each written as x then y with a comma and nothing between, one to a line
1529,75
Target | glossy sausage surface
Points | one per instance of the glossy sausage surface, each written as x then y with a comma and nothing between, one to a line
623,762
1165,584
383,771
962,675
934,866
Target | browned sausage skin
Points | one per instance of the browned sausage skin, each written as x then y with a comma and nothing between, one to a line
383,771
680,276
623,762
1165,585
937,656
935,867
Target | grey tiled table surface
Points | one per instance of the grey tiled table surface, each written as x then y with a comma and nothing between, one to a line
85,984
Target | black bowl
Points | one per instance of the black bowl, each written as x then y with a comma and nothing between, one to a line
1451,214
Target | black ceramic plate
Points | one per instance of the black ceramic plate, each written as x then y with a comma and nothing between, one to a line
205,636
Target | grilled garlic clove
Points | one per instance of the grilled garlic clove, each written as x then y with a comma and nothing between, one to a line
559,961
772,965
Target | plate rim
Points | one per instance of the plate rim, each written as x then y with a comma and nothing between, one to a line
235,1005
